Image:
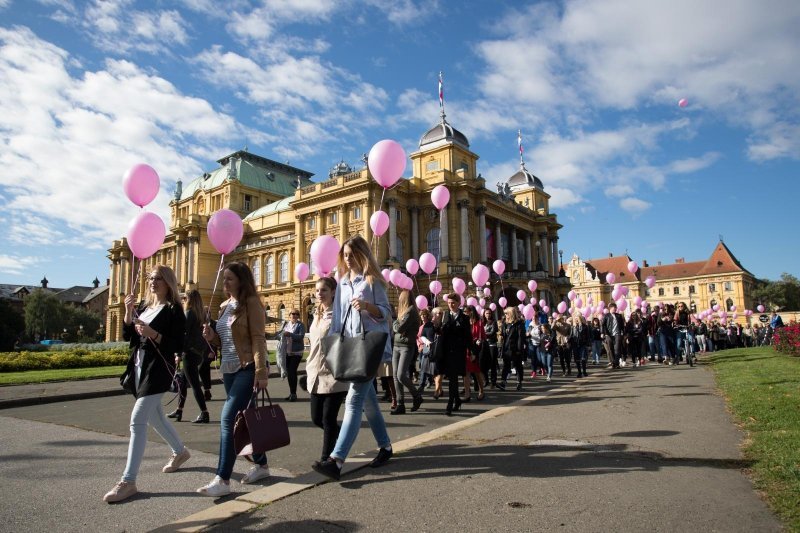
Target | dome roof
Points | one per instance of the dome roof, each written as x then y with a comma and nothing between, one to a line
523,178
443,131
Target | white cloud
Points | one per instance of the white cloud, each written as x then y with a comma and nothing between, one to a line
70,138
19,264
404,12
693,164
621,189
4,3
634,206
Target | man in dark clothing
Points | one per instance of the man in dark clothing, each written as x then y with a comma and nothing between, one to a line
455,335
613,329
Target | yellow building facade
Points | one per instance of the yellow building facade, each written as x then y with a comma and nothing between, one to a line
284,211
719,280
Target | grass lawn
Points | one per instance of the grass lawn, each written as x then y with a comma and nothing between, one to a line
63,374
762,387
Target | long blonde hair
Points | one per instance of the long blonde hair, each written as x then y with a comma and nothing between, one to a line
404,303
363,259
170,281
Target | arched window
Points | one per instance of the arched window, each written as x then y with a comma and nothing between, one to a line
269,270
310,263
266,310
257,271
282,312
283,275
728,304
433,242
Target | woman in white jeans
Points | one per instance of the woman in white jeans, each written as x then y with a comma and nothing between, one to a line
156,331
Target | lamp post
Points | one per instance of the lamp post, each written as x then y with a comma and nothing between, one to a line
561,261
539,266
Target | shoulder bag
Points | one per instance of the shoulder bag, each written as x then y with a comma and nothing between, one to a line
355,359
259,429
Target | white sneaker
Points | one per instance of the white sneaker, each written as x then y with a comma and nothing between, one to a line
255,473
215,489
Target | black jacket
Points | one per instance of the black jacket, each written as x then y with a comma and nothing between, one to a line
514,338
157,369
608,324
455,334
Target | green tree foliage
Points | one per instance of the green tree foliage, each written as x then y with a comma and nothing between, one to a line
12,326
783,294
75,317
44,314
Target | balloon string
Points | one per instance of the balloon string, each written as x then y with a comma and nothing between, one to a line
380,207
219,269
135,273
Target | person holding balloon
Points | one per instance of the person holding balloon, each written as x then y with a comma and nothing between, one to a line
239,332
363,288
425,338
155,330
327,394
405,329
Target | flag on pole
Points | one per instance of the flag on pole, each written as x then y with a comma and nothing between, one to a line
519,141
441,91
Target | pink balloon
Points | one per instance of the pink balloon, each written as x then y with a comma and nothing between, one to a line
146,232
562,307
733,308
760,308
503,302
601,304
605,311
633,267
379,222
622,304
387,162
225,230
716,307
532,285
546,309
528,312
578,302
472,301
325,254
386,273
735,316
650,282
615,294
492,306
459,285
610,277
521,295
141,184
542,302
683,102
440,195
421,301
499,267
571,295
482,302
396,277
480,274
412,266
623,290
427,262
301,272
435,287
487,291
638,301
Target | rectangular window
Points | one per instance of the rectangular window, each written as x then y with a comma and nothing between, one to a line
676,291
691,289
432,166
712,287
728,286
661,292
356,213
311,223
647,292
333,218
248,202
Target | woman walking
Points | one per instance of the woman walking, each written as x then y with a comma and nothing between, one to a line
476,350
405,330
195,349
239,333
425,338
597,340
563,331
513,346
363,289
547,343
155,330
326,393
489,363
580,339
294,332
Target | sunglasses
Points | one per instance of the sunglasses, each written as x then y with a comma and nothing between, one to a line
155,278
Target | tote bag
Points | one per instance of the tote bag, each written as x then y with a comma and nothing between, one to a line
355,359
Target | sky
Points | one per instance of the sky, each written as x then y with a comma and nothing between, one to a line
88,89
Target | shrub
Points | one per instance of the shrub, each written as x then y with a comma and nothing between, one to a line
19,361
787,339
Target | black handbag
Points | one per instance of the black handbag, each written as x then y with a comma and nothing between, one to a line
437,350
355,359
126,381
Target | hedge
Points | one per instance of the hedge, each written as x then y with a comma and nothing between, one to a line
87,346
77,358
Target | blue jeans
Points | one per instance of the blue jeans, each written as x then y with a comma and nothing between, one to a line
533,353
597,348
147,410
547,362
239,388
651,346
360,398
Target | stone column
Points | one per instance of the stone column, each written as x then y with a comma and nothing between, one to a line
367,215
463,205
178,261
320,223
528,258
190,273
415,231
481,211
554,243
498,240
392,203
444,235
513,241
115,269
545,251
299,240
343,223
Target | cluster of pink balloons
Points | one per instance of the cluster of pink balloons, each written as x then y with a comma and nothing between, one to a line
146,231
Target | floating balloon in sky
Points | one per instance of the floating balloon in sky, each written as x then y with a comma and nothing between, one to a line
683,102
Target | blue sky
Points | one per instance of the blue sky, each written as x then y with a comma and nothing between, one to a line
87,89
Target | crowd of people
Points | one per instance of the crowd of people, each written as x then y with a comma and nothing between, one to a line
473,351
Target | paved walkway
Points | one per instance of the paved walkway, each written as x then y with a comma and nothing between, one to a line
637,449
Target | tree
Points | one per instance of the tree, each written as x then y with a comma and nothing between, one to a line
783,294
44,314
12,326
75,317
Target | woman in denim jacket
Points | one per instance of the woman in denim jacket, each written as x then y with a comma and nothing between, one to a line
362,286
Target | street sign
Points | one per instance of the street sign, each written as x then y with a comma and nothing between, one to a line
763,318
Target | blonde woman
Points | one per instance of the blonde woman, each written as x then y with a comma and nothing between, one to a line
325,392
405,330
155,330
513,346
363,289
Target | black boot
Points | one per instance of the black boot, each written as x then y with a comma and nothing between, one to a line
177,414
202,418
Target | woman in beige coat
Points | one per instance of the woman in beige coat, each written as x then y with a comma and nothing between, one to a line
327,394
